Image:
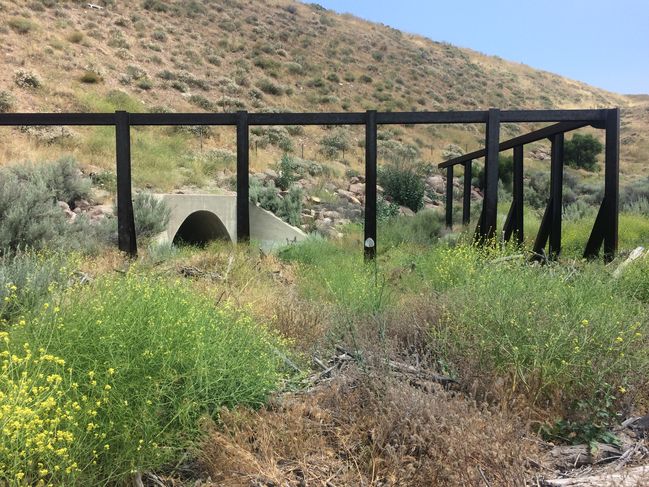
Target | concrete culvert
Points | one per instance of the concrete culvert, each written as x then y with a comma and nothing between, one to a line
200,228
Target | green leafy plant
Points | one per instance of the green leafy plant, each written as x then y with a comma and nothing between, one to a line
581,151
403,184
145,359
151,215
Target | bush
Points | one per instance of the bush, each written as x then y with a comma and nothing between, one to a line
27,279
26,79
28,214
151,215
155,5
424,228
277,136
7,101
201,102
288,208
90,77
403,184
145,359
286,170
505,172
576,339
75,37
334,144
21,25
581,151
145,84
159,35
270,88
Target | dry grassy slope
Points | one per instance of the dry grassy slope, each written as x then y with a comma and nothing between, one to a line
313,60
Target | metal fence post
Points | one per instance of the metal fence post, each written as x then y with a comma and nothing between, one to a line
518,193
126,237
370,185
466,197
611,183
492,141
556,195
449,197
243,178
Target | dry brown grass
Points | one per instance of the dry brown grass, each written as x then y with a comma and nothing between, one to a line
362,430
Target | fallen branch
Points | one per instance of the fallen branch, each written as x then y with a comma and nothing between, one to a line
631,477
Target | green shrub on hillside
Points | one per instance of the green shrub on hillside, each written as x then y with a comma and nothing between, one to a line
145,359
270,88
7,101
403,184
21,25
335,144
27,280
286,170
29,213
27,79
276,136
581,151
424,228
288,207
151,215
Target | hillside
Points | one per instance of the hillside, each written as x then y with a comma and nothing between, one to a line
277,55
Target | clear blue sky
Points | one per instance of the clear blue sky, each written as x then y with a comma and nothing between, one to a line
601,42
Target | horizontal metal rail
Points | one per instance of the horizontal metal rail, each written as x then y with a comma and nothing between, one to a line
524,139
343,118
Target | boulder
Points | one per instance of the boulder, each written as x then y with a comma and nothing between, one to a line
437,183
404,210
357,188
332,214
349,196
270,174
82,204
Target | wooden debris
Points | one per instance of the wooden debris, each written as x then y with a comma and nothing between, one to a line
634,255
574,456
636,476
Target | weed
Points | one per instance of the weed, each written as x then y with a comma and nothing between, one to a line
150,357
21,25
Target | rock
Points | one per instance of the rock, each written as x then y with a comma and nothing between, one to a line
315,199
379,189
332,214
540,154
437,183
270,174
357,188
354,180
99,212
349,196
83,205
63,205
404,210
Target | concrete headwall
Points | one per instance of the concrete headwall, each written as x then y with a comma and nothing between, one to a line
265,227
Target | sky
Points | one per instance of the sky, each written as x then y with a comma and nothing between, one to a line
604,43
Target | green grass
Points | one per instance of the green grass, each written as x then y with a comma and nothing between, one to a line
552,333
145,359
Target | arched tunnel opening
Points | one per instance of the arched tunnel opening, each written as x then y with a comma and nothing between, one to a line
200,228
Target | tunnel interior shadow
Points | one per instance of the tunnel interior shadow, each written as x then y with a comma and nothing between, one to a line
200,228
